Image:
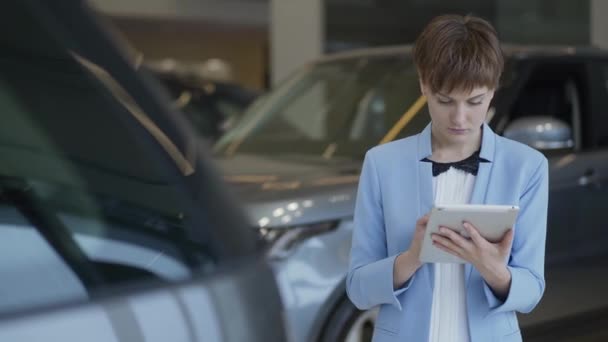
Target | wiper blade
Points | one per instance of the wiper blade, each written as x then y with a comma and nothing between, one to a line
18,193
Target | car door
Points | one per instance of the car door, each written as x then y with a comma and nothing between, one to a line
596,236
560,87
113,224
556,87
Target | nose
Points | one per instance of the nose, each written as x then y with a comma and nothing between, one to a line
458,115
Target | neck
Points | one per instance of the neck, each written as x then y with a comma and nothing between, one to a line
446,151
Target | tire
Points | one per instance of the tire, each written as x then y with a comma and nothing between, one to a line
349,324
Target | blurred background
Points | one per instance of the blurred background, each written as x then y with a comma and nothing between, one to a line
188,169
261,41
321,81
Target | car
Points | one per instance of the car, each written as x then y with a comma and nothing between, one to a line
114,225
295,159
211,105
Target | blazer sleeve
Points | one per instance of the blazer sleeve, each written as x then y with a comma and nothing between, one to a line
369,281
527,261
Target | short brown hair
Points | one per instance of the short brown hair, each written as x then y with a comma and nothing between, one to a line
455,51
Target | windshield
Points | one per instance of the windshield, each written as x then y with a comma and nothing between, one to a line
337,108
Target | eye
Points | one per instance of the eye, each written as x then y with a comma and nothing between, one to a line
475,103
442,101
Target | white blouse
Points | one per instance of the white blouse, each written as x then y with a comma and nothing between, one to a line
449,320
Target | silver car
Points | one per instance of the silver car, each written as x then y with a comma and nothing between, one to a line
295,158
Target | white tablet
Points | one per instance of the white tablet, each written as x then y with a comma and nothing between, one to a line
492,221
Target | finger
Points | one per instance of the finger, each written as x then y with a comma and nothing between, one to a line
458,239
421,223
447,243
507,238
423,220
447,249
474,234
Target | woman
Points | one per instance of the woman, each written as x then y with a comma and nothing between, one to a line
455,159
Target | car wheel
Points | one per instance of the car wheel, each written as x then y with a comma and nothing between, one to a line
349,324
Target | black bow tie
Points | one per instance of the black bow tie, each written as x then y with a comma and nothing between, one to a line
469,165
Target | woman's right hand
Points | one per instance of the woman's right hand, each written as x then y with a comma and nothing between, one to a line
416,243
408,262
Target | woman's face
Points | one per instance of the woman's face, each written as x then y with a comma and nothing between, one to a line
458,115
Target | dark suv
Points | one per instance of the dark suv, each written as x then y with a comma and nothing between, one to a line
113,224
295,158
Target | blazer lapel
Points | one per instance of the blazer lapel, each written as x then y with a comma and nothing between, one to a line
425,183
488,148
425,172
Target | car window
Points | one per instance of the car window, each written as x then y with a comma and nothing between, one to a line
340,108
231,112
599,92
555,90
196,104
604,73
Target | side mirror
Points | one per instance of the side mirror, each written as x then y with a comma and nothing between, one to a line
541,132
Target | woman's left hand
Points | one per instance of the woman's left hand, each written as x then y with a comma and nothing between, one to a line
487,257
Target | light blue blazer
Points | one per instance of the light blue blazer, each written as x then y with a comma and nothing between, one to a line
395,189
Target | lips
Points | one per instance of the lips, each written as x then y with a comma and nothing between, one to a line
458,130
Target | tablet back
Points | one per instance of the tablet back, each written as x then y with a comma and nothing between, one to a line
492,221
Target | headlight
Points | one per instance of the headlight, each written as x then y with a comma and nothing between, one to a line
280,242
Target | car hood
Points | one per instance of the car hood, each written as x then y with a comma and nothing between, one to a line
288,192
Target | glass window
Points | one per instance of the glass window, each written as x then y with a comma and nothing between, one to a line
604,84
599,94
336,108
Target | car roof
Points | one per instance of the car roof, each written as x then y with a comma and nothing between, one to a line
519,51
